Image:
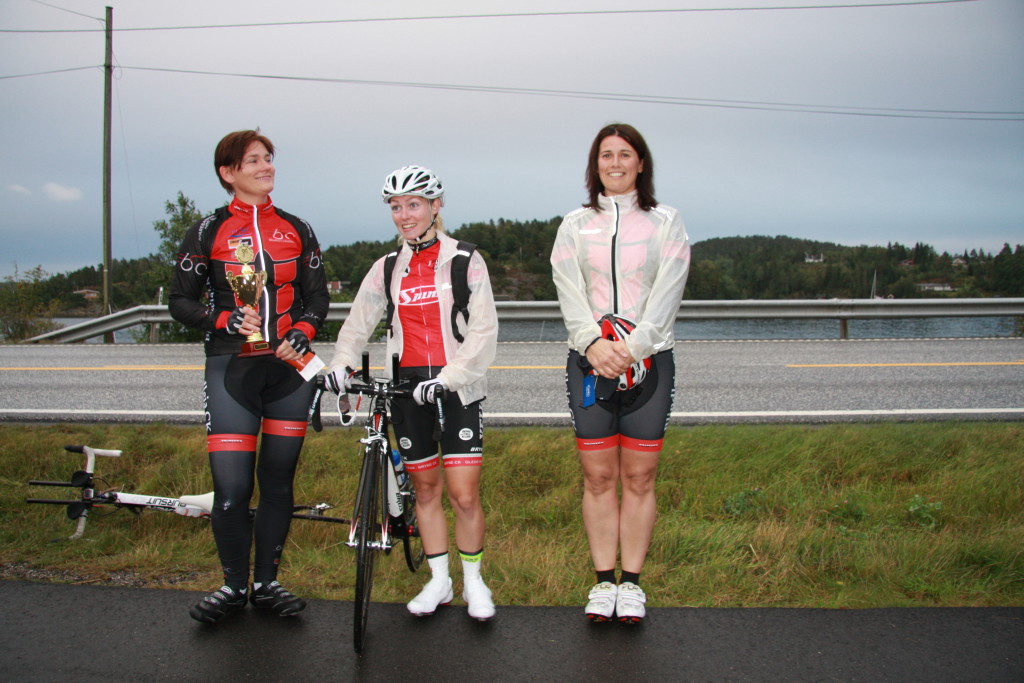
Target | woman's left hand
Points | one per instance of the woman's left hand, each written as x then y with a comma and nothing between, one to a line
294,346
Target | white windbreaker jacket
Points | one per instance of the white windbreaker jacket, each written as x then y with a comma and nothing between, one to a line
466,371
621,260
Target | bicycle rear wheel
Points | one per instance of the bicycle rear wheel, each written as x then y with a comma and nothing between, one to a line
368,539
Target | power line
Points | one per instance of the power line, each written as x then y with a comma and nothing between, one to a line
966,115
567,13
65,9
794,107
45,73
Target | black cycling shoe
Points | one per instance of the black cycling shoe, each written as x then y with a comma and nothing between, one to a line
273,596
218,605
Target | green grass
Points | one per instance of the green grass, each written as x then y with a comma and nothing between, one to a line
842,516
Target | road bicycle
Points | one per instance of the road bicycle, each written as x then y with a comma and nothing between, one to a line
385,508
384,512
90,498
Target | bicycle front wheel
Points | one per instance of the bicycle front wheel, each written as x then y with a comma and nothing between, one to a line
368,539
411,541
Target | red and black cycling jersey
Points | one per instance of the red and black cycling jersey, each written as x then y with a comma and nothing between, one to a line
285,247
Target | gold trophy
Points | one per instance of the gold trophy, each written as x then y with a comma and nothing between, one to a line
248,287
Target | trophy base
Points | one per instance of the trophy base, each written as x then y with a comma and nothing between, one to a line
260,348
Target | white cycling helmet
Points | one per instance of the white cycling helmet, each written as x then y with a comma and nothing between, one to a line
616,328
414,180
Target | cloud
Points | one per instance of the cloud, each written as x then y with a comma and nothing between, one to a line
19,189
59,193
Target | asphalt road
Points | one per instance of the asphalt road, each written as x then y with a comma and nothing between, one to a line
54,632
717,381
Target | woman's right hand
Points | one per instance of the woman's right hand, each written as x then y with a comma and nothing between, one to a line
244,321
609,358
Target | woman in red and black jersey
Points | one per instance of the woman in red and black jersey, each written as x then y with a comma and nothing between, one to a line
438,351
247,394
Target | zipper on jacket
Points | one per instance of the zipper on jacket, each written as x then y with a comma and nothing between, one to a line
615,273
263,266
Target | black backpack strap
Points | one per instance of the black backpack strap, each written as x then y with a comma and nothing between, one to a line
389,269
460,285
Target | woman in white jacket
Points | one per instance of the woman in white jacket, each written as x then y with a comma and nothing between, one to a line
433,360
619,265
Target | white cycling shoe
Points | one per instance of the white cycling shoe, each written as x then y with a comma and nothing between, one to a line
478,599
436,592
629,603
601,601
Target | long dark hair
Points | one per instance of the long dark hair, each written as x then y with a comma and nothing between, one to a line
644,181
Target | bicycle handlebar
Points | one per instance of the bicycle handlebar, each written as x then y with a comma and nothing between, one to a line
370,386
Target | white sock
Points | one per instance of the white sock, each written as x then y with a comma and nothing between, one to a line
438,567
471,566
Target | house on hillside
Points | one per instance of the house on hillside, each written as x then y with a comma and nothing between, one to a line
935,287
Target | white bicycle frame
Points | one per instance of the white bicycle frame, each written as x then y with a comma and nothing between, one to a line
187,506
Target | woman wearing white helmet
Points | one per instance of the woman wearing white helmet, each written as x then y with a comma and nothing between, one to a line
440,351
619,265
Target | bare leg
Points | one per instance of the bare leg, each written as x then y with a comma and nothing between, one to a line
639,506
601,505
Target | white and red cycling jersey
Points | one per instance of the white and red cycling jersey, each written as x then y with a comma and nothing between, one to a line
425,331
624,260
419,311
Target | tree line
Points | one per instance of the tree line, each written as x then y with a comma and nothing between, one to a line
517,254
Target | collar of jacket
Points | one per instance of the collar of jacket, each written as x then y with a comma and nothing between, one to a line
627,202
241,208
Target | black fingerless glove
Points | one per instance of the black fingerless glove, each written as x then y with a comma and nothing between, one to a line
235,320
298,340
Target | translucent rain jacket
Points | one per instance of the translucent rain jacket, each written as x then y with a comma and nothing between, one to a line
621,260
466,371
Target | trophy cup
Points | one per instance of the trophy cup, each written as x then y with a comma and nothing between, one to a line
248,287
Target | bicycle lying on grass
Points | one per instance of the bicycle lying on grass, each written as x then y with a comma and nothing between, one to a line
384,512
187,506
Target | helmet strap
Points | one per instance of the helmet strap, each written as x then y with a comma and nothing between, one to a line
417,245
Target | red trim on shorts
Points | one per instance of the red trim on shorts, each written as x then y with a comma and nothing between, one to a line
463,460
642,445
597,444
284,427
431,463
230,442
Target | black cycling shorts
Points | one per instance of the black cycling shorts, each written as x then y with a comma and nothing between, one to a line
462,442
636,418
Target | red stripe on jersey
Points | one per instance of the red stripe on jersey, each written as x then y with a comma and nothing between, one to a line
284,427
230,442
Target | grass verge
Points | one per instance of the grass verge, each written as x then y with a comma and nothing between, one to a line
841,516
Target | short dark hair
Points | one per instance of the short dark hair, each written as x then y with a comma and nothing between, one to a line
231,150
644,181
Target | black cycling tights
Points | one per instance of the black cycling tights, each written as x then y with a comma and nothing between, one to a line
244,396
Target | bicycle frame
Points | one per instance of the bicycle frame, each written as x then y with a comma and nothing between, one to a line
384,510
198,506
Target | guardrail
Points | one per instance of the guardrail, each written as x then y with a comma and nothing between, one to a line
842,310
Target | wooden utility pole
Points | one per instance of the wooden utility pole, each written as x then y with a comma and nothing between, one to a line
108,72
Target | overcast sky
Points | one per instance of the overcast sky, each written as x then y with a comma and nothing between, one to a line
859,125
